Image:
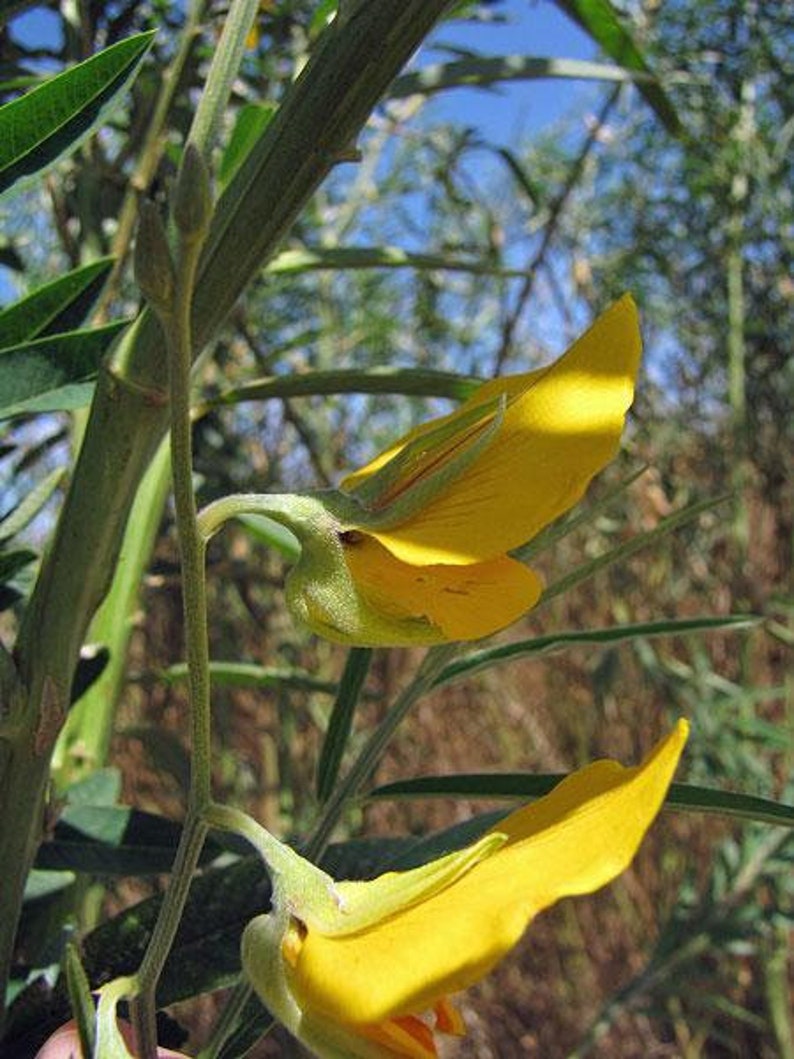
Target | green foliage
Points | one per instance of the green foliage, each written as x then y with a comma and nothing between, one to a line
37,128
50,373
364,250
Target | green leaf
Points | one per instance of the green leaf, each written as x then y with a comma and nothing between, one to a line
46,366
272,535
251,675
478,72
295,262
102,787
251,122
416,382
43,883
525,787
51,119
599,19
12,562
27,509
65,399
91,665
113,840
538,645
630,547
206,951
55,307
80,999
341,722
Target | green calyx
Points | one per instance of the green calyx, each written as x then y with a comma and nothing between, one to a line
320,589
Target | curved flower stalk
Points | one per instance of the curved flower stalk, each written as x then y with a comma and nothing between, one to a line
368,973
413,548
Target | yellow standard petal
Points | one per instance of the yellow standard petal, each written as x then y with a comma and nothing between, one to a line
561,426
574,841
463,602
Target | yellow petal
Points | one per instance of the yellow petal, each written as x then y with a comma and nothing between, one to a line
464,602
404,1036
573,841
487,392
559,430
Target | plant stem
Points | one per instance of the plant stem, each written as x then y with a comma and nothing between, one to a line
432,664
225,66
322,112
176,324
150,155
228,1020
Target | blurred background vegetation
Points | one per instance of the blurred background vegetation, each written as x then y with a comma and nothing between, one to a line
454,245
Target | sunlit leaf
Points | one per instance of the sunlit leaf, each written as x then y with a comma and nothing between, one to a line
53,118
416,382
55,307
30,505
539,645
599,19
294,262
479,72
525,787
251,122
336,739
48,366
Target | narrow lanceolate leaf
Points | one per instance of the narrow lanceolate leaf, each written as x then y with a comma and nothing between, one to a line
481,73
540,645
291,262
631,547
251,675
599,19
27,509
414,382
341,723
51,119
42,368
113,840
56,307
251,122
526,787
12,562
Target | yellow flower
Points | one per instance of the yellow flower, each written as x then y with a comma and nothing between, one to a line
413,548
365,970
509,461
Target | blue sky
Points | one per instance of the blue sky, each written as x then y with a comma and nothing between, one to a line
534,28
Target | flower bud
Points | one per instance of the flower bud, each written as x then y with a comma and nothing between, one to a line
191,203
154,267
